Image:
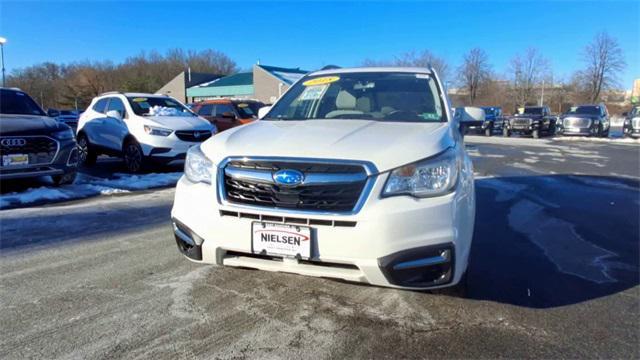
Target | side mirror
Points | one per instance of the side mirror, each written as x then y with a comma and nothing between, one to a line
114,114
262,112
53,112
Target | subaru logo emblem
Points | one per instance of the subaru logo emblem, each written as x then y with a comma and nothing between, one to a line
288,177
13,142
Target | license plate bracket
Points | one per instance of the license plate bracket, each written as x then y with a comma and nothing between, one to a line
285,240
15,159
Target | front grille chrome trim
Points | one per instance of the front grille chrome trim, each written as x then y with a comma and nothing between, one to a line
370,170
309,179
53,159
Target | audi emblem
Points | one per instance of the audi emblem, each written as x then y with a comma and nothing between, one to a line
13,142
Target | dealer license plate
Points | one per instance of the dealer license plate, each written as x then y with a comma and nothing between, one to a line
281,239
15,159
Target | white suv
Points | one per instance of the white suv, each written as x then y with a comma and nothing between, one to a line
139,127
357,174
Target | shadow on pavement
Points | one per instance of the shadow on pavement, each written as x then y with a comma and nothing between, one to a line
549,241
84,224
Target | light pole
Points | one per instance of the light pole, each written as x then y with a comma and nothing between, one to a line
2,42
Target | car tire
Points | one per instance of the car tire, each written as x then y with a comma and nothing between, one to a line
133,156
506,132
605,134
64,179
536,134
86,155
487,132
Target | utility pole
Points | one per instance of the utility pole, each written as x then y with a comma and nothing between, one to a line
2,42
542,95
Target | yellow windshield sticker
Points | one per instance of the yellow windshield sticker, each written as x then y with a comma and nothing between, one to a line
243,105
140,99
321,80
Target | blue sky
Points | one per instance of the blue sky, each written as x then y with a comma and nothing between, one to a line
312,34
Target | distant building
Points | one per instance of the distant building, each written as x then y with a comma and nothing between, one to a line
177,87
635,92
264,83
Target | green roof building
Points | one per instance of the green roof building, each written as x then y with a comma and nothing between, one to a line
264,83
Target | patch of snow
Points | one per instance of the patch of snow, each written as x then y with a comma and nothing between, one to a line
87,186
624,141
164,111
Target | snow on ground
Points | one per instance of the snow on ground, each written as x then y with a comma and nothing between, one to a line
545,142
626,140
87,186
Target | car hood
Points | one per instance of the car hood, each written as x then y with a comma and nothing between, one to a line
528,116
579,116
179,122
386,144
23,125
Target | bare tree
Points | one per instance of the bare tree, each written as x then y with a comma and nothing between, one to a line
474,72
605,61
528,71
423,59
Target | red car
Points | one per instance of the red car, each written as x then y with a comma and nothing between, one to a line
228,113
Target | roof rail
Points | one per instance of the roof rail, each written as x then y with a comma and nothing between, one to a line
330,67
111,93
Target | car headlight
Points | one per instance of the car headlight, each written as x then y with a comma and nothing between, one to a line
627,122
64,134
426,178
197,168
153,130
560,121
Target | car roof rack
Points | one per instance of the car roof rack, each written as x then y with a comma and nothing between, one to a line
111,93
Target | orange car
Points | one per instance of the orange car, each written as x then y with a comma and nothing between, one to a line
228,113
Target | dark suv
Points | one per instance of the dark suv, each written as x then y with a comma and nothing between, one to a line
33,144
492,120
631,125
588,120
531,120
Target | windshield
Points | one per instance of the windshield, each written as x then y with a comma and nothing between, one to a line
67,112
143,105
532,111
490,111
378,96
18,103
588,110
248,109
635,111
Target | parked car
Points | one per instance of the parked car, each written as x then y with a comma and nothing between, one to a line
531,120
139,128
589,120
470,118
228,113
357,174
33,144
632,122
69,117
493,120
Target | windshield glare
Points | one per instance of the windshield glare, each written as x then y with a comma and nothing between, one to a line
142,105
248,110
18,103
589,110
406,97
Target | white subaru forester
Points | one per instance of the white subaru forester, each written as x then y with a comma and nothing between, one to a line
357,174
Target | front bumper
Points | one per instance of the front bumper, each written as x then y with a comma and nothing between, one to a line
394,241
584,131
65,161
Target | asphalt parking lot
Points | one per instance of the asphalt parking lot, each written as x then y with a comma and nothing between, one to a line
554,273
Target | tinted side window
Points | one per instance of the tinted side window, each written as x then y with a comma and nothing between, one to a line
101,105
205,110
117,105
223,108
